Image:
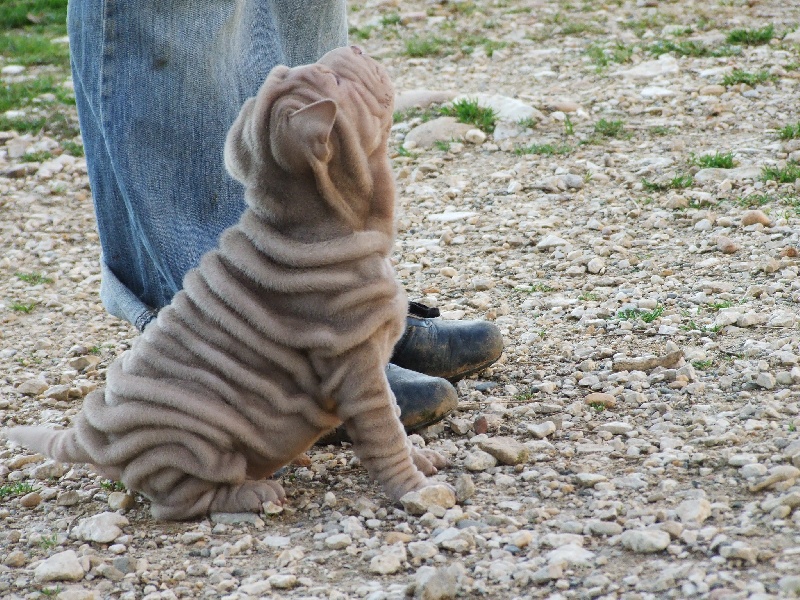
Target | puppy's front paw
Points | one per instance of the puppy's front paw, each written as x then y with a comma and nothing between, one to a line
428,461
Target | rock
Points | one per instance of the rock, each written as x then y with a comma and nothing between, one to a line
645,540
231,518
750,319
478,460
570,554
442,129
596,265
12,70
546,574
51,469
790,584
737,174
102,528
338,541
84,363
30,500
443,583
506,450
271,508
751,217
390,561
665,65
506,108
726,245
551,241
419,502
694,511
475,136
15,559
63,566
32,387
541,430
601,398
777,474
590,479
465,487
282,581
712,90
765,380
420,98
452,216
741,551
68,498
120,501
616,427
57,392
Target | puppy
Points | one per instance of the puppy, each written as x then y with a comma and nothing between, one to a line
281,333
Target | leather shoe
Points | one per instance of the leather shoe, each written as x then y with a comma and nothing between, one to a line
448,349
423,400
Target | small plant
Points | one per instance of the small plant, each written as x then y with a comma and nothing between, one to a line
569,128
790,132
527,123
788,174
648,316
716,306
660,130
702,365
443,145
23,307
602,57
751,37
33,278
524,396
418,47
17,489
628,314
597,406
469,111
36,156
545,149
792,427
539,287
51,592
361,33
716,160
94,350
589,297
390,20
610,129
49,541
112,486
739,76
401,151
690,48
678,182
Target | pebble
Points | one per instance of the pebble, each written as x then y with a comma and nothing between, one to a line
751,217
442,583
30,500
478,460
571,555
419,502
390,561
62,566
506,450
441,129
120,501
694,511
15,559
338,541
465,488
541,430
102,528
282,581
32,387
645,540
726,245
606,400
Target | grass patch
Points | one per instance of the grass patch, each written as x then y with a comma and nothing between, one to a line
788,174
660,130
610,129
419,47
702,365
443,145
789,132
72,148
37,156
690,48
589,297
413,113
469,44
33,278
544,149
714,161
25,13
678,182
469,111
536,287
692,326
597,406
569,128
23,307
602,57
361,33
112,486
648,316
17,489
739,76
390,20
33,49
751,37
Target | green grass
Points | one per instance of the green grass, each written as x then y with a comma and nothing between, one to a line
739,76
751,37
537,287
469,43
715,161
72,148
602,57
17,489
597,406
589,297
361,33
33,49
112,486
660,130
390,20
789,132
37,156
788,174
648,316
419,47
33,278
17,13
413,113
569,128
702,365
544,149
610,129
692,326
678,182
469,111
690,48
23,307
443,145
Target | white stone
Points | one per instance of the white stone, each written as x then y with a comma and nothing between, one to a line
478,460
541,430
102,528
282,581
419,502
645,540
475,136
551,240
276,541
596,265
694,510
570,554
63,566
338,541
449,217
390,561
665,65
12,70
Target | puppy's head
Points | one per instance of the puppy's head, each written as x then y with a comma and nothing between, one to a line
329,120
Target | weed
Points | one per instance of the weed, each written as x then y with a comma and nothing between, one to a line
739,76
790,132
49,541
112,486
716,306
33,278
610,129
17,489
788,174
598,406
569,128
37,156
648,316
469,43
469,111
545,149
72,148
443,145
678,182
702,365
579,28
792,427
628,314
390,20
51,592
536,287
94,350
589,297
23,307
418,47
401,151
716,160
690,48
361,33
23,13
602,57
751,37
660,130
693,326
412,113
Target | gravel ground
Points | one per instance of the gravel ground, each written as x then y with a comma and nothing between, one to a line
638,439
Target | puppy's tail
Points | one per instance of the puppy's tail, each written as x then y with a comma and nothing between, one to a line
61,445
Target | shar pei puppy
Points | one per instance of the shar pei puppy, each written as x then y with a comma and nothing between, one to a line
281,333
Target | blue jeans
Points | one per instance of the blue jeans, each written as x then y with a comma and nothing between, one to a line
158,83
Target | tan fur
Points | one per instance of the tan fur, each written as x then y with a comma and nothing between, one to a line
280,334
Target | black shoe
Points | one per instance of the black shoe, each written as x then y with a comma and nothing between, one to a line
423,400
449,349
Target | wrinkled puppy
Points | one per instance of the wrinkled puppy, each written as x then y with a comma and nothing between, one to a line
280,334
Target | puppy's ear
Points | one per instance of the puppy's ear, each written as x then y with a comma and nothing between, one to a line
238,152
301,137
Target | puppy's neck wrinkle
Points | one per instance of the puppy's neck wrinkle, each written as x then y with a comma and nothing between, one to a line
290,251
